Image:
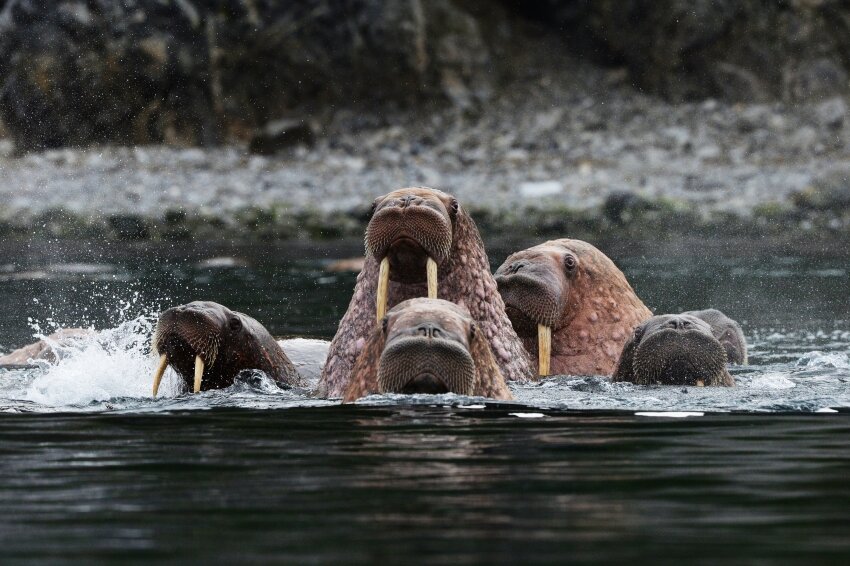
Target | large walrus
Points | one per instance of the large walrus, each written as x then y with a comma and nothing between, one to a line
570,304
691,348
420,242
427,346
208,345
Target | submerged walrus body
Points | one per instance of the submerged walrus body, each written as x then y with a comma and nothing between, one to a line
421,243
572,307
427,346
692,348
208,345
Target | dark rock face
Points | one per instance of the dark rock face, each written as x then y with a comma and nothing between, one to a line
199,71
743,50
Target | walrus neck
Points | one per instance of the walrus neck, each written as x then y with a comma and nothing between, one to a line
602,317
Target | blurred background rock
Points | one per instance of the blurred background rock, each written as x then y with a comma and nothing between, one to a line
710,107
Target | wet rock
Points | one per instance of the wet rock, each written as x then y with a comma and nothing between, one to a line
150,71
621,207
129,227
282,134
830,191
830,113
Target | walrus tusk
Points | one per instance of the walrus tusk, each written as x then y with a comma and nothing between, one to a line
431,270
199,372
544,347
160,369
383,287
700,383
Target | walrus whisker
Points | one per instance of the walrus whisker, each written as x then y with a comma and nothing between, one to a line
160,370
431,270
199,372
544,346
383,288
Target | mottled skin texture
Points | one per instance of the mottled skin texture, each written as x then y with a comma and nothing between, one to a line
464,279
678,349
229,342
418,324
578,291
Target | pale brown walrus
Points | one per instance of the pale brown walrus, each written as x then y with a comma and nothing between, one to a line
691,348
427,346
417,236
570,298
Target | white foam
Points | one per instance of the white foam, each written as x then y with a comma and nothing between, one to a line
670,414
528,415
829,360
108,364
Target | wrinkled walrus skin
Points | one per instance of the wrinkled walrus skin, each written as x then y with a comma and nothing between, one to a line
464,279
572,287
438,339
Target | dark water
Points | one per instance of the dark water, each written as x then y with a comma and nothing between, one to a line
578,469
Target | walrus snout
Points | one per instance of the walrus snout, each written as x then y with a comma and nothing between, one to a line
421,364
427,350
679,350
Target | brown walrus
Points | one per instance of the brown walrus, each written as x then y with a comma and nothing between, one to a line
691,348
417,236
208,345
570,304
427,346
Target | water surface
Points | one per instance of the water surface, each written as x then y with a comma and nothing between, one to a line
578,468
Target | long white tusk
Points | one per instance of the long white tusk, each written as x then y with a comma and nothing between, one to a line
431,271
544,347
157,376
700,383
383,288
199,372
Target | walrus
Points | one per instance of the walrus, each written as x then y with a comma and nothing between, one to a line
421,243
427,346
48,349
208,345
691,348
570,305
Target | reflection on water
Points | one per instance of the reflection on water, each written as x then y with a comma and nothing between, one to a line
423,485
92,468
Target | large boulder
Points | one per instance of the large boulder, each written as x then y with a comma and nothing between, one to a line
739,50
199,71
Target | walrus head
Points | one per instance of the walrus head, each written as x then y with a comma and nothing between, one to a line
410,234
427,346
208,345
569,286
675,349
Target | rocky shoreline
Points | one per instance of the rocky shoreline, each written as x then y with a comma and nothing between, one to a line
613,161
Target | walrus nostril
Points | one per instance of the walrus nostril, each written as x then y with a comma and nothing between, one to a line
429,331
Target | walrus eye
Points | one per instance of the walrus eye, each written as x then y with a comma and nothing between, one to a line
569,263
234,323
454,207
384,325
472,329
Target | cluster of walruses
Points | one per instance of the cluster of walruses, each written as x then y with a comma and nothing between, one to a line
428,316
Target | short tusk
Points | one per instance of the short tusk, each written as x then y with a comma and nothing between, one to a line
160,370
544,347
199,372
431,271
700,383
383,288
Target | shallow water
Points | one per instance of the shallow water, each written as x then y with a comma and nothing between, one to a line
577,467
